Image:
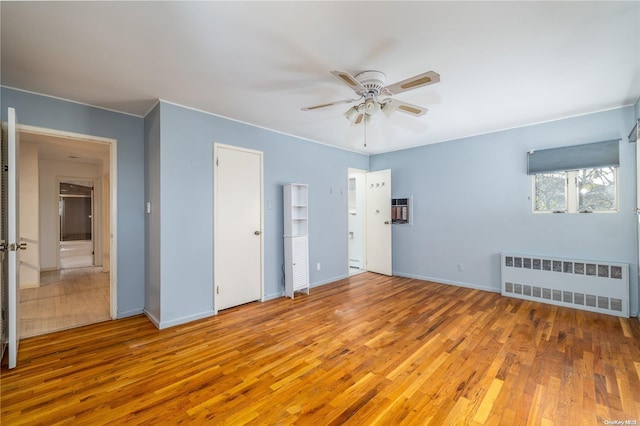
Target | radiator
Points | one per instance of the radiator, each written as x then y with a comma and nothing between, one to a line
591,285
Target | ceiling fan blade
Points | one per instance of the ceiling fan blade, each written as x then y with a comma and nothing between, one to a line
349,80
420,80
391,105
358,119
346,101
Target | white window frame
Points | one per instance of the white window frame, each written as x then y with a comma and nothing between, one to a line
571,194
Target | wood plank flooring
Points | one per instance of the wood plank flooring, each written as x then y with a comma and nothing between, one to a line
65,299
366,350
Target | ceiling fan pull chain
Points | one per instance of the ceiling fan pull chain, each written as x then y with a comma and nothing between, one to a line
365,130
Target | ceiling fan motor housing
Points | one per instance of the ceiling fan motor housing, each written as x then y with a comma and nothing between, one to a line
372,81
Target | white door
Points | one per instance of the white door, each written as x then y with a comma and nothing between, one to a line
378,218
638,187
238,258
13,239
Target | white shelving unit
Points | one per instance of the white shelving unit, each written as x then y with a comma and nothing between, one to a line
296,238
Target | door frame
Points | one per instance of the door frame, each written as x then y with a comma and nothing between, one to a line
216,241
363,172
96,217
365,219
113,198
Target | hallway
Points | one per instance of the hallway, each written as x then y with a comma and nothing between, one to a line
65,299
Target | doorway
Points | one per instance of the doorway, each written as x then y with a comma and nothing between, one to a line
356,220
73,194
369,221
76,227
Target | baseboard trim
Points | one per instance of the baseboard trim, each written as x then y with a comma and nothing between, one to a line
130,313
448,282
183,320
152,318
329,281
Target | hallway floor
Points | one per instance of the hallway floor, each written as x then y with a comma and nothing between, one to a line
65,299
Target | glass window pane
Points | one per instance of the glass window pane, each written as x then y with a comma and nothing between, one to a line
597,189
75,220
551,193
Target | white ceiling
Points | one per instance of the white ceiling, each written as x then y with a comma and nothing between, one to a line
502,64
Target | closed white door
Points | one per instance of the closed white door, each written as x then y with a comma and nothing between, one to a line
378,218
13,239
238,258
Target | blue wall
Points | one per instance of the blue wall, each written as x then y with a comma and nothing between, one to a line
186,197
50,113
472,200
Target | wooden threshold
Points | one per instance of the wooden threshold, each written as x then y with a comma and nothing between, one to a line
365,350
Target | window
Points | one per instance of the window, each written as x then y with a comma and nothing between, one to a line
550,192
577,191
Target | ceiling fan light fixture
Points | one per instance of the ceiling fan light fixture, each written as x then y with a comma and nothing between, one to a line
371,106
388,108
351,113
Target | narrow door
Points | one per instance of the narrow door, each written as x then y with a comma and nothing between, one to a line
378,218
238,226
638,186
13,239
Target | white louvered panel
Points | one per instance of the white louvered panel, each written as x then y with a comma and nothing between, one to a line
300,256
591,285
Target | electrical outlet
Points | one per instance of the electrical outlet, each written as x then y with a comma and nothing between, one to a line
318,267
460,267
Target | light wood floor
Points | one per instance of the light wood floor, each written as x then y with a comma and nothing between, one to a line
365,350
65,299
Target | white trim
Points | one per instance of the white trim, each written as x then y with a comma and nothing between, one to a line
216,242
152,107
183,320
261,127
71,101
518,126
328,281
447,282
353,170
96,206
113,187
368,154
571,193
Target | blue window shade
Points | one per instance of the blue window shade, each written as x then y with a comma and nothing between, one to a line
599,154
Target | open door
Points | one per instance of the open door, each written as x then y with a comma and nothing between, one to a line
378,218
13,244
637,138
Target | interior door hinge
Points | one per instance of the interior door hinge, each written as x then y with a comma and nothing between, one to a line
217,161
217,289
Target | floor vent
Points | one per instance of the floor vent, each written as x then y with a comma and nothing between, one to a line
596,286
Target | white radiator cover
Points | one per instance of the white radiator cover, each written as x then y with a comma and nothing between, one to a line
591,285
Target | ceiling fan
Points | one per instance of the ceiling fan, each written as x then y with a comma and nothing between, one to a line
370,86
